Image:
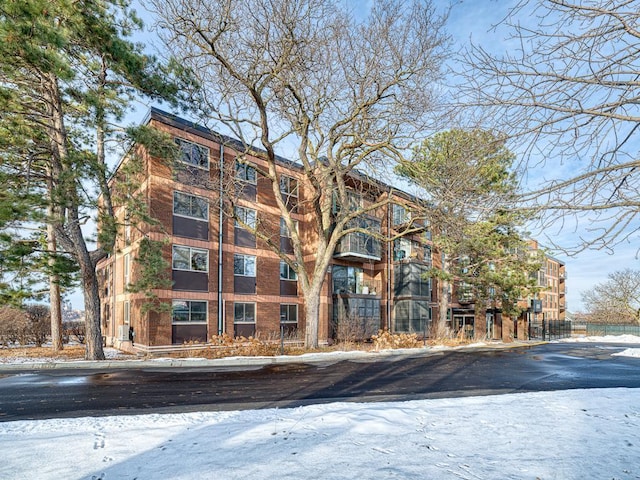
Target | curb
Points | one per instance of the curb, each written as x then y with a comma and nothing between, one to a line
312,358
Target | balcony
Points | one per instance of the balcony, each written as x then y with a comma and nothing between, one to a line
358,247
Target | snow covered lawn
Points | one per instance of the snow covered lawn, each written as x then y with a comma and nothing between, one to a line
575,434
578,434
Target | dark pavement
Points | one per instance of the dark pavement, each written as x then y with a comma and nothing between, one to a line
61,392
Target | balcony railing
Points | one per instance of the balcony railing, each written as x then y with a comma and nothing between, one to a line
358,246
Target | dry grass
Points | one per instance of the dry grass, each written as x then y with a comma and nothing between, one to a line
70,352
226,346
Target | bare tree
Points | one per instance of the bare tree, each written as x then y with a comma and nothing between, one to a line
342,91
616,300
568,89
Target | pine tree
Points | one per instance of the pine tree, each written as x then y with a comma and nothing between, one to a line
466,178
67,73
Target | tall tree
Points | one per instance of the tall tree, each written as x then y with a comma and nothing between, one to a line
66,72
466,177
616,300
344,92
567,90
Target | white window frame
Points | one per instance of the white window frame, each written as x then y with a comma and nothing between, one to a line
244,214
245,322
288,321
126,314
189,309
285,186
245,264
191,251
127,269
245,167
191,197
290,275
182,143
284,231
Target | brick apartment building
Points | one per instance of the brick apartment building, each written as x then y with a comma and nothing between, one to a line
225,280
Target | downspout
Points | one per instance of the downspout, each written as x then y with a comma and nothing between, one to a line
220,226
112,317
388,269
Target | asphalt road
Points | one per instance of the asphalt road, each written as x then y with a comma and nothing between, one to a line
78,392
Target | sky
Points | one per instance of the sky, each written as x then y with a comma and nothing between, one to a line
564,435
474,20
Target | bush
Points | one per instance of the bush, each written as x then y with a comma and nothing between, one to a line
71,330
13,326
39,323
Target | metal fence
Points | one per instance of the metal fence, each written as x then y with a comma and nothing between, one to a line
550,329
594,329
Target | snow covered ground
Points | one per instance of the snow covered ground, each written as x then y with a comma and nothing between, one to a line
576,434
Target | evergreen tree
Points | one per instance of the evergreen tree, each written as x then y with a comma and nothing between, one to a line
466,178
67,74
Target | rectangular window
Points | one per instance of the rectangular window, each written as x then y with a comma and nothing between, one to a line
244,312
284,231
188,311
127,313
289,186
193,154
400,215
347,279
190,206
286,272
246,172
288,313
426,255
190,259
244,265
289,191
401,248
246,216
127,269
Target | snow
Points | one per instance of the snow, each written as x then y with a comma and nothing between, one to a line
573,434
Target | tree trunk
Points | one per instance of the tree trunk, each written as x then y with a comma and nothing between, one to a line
312,317
54,295
94,350
443,309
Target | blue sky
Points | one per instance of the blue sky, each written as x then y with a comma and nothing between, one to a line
474,19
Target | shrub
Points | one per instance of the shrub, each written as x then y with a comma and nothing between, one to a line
75,330
39,323
13,326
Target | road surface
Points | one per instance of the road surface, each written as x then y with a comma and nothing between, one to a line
483,371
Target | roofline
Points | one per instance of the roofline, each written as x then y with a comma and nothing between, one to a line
194,128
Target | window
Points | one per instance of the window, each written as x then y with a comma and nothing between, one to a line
244,265
127,269
191,259
127,313
289,186
288,313
284,231
411,279
193,154
190,206
289,190
246,172
426,255
286,272
347,279
400,215
246,216
401,248
244,312
187,311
